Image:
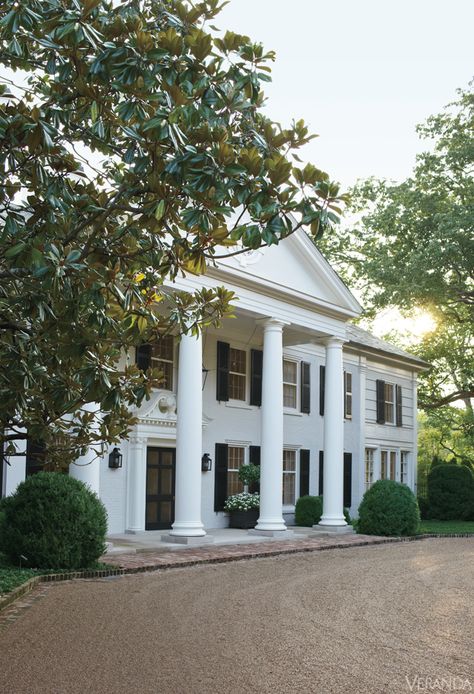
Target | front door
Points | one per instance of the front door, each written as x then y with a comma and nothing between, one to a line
160,480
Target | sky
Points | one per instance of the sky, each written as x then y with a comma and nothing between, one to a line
362,74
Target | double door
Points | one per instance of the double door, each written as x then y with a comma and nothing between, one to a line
160,488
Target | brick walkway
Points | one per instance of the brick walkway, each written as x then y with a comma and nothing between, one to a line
213,554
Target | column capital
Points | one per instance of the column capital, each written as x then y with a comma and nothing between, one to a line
272,323
333,342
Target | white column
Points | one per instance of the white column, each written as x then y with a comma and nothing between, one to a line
189,440
271,464
87,467
136,484
333,493
412,471
361,426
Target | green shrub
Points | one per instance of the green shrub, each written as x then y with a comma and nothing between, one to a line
424,507
388,508
451,492
309,509
55,522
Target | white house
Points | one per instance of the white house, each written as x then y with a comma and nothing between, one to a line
288,383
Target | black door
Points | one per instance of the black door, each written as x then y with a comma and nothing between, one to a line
160,480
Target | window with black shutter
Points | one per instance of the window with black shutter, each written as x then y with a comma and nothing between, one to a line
322,375
222,380
347,480
321,473
380,394
220,483
304,472
256,370
305,387
399,405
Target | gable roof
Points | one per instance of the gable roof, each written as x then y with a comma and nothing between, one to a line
361,338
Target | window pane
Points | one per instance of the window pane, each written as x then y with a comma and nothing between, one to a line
289,461
289,395
288,489
388,412
237,361
163,348
290,371
236,387
234,460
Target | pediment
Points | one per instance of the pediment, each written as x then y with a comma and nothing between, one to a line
295,266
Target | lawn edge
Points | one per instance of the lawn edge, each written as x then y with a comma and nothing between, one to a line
8,598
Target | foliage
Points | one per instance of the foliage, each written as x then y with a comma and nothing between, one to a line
424,507
388,508
53,521
414,248
249,474
11,577
446,527
133,148
308,510
451,492
242,502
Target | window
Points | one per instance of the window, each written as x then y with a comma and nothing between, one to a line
369,467
347,395
237,374
290,383
388,465
389,403
235,459
404,467
162,358
289,478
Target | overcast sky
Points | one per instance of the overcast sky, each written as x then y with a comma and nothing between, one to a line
362,73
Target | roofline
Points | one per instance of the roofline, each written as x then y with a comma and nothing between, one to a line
418,364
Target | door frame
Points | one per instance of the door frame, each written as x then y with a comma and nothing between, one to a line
160,525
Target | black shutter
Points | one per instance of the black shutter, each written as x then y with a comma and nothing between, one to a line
220,483
35,457
254,458
256,368
321,473
305,387
322,378
143,357
222,382
380,389
398,396
304,472
347,480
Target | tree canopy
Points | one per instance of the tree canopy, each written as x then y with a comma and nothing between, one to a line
130,133
413,247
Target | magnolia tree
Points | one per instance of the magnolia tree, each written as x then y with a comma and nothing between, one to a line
133,148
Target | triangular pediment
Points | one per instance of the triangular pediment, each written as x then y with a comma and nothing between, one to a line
295,266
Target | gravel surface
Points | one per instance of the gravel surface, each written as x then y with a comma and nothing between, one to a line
370,619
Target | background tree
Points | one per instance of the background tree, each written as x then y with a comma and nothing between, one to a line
413,248
129,135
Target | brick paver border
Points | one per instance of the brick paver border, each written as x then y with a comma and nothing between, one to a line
145,561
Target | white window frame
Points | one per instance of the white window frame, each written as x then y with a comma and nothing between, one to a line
404,467
289,449
348,394
237,373
156,361
297,384
392,402
245,450
369,461
391,455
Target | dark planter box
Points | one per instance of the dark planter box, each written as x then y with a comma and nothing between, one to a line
244,519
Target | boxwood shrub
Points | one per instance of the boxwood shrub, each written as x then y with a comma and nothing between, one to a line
309,509
451,492
54,522
388,508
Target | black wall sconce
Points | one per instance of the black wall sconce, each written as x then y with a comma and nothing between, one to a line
115,458
206,463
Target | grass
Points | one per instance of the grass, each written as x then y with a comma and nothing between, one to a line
446,527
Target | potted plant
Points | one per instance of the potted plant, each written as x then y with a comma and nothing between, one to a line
249,475
243,510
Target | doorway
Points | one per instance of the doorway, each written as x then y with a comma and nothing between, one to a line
160,486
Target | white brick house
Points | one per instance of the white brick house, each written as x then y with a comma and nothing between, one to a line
288,383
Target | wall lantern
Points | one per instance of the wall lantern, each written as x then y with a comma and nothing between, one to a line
206,463
115,458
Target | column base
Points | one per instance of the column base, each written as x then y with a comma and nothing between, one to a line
333,529
284,534
190,540
187,529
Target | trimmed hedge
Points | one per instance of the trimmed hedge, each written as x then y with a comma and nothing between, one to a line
309,509
388,508
53,521
451,492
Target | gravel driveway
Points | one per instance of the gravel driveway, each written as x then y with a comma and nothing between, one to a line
370,619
